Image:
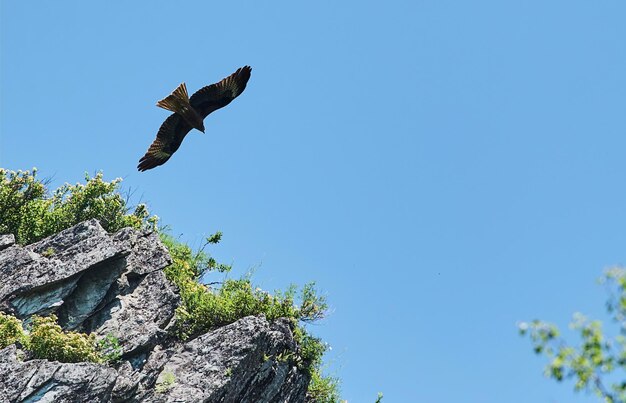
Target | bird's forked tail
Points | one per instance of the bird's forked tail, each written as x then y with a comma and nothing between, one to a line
177,101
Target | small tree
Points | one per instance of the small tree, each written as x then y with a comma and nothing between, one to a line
598,364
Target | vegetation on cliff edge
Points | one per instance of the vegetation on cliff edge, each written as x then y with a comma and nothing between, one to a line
30,212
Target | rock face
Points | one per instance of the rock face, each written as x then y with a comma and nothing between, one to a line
236,363
113,284
45,381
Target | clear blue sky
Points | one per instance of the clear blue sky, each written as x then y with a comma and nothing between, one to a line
441,169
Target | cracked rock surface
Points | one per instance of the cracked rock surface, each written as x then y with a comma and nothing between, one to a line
46,381
114,284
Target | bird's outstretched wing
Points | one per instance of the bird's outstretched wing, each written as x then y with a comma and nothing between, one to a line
218,95
169,138
204,101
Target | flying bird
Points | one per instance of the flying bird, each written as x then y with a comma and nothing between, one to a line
189,113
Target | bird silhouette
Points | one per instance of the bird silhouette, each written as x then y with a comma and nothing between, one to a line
189,113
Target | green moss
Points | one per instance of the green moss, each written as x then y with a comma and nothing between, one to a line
165,382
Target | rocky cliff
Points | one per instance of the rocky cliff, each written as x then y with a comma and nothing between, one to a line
113,284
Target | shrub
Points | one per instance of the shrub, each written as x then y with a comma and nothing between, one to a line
11,330
204,308
28,211
323,389
47,340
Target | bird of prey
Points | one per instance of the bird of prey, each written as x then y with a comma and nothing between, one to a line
189,113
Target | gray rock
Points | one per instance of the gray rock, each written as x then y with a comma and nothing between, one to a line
6,241
44,301
37,278
68,238
138,375
138,319
51,381
90,291
94,282
114,284
235,363
142,303
22,270
149,254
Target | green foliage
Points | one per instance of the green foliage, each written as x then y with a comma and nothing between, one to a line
310,349
165,382
204,308
47,340
187,265
109,349
28,211
48,253
11,330
323,389
598,358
